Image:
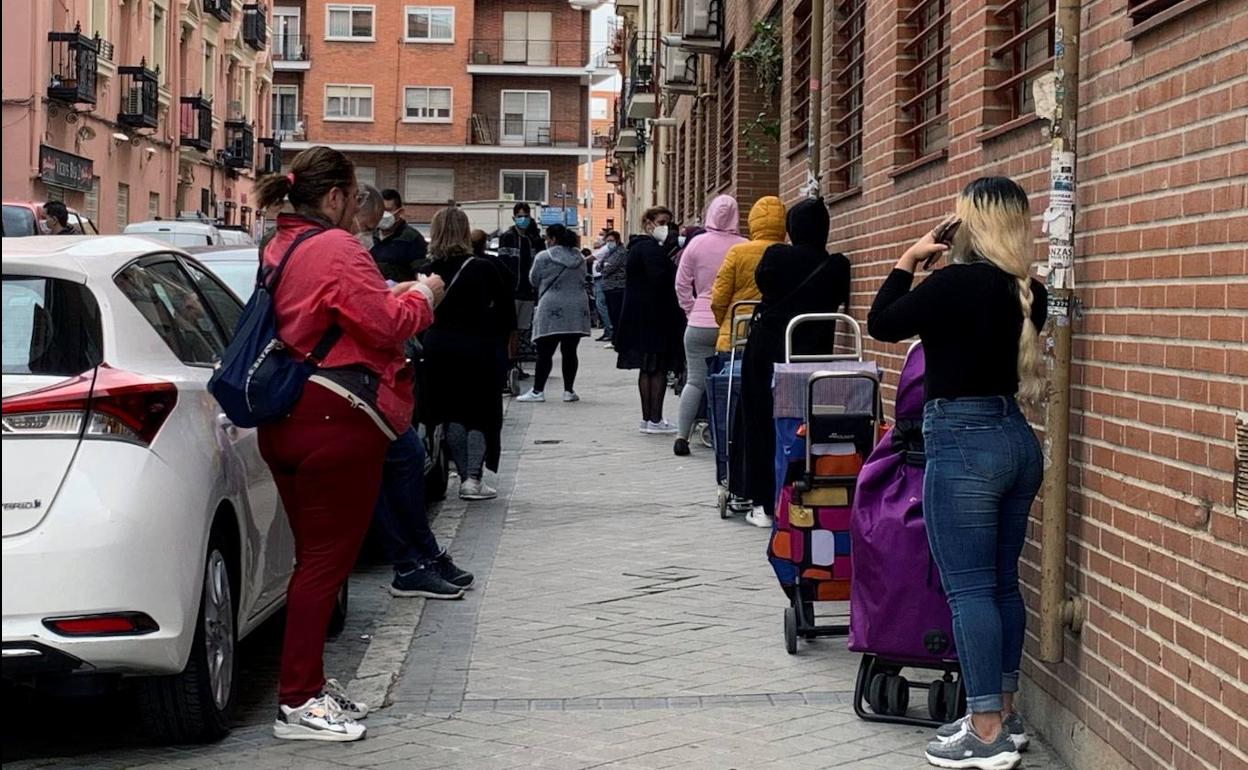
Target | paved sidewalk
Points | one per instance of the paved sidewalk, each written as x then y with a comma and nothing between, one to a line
617,623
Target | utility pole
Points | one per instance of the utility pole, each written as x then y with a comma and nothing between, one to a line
1057,612
815,110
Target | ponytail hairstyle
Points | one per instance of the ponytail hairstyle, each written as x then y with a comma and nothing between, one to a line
562,236
996,226
312,174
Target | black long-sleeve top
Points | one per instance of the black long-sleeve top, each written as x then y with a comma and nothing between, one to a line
969,320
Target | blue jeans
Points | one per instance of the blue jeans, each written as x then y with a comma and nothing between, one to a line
600,302
400,512
984,469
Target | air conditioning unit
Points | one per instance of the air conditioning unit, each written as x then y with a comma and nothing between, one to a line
680,67
703,27
133,101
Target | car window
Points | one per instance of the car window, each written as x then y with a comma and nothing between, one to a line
82,224
222,302
239,276
165,295
18,221
51,327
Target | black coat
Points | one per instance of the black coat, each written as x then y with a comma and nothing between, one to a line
651,321
794,279
517,250
461,377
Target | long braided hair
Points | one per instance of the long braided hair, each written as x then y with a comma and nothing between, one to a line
996,226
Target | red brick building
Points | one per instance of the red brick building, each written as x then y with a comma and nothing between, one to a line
466,100
920,97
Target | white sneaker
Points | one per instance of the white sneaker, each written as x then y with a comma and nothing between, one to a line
643,426
352,709
662,427
569,397
532,397
317,720
759,518
475,489
608,346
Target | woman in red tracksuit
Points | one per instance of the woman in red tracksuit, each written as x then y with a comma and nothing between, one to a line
327,454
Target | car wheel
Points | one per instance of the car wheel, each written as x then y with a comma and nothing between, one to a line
338,619
194,705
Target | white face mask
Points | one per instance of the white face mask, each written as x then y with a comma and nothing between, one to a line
387,220
680,241
660,233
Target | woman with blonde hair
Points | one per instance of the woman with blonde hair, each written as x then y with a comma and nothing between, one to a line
979,320
462,384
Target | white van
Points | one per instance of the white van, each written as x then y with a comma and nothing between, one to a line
177,232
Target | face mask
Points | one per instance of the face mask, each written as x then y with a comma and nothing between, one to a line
523,222
660,233
680,241
387,220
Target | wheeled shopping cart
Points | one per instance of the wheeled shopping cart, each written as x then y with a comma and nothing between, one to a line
827,418
899,616
723,393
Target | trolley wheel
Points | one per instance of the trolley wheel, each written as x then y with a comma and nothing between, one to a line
876,694
723,503
513,381
937,701
790,630
955,699
897,695
705,436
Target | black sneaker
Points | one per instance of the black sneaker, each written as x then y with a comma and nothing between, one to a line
680,448
425,582
446,569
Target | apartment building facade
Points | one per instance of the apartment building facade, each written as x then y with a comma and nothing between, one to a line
919,97
129,111
467,100
598,201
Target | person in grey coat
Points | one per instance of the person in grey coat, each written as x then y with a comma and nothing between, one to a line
562,314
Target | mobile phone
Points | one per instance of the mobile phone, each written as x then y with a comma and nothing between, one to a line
946,231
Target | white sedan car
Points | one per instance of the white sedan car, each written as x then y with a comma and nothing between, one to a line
143,534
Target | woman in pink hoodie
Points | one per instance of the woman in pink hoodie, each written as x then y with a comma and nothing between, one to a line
694,278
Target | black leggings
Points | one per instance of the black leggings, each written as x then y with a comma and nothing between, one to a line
546,346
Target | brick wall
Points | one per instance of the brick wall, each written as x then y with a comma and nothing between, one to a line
569,107
570,30
1161,353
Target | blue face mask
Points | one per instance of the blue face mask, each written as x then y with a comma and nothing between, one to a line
523,222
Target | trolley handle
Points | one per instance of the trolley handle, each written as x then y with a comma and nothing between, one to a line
738,318
877,409
807,318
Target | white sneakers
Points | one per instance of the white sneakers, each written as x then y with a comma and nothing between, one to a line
662,427
476,489
319,719
759,518
536,397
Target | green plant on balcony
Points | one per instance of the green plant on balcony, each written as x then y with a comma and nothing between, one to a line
765,55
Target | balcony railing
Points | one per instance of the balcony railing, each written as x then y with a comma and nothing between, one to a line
515,131
290,127
533,53
139,87
222,9
290,47
255,17
641,63
271,163
240,144
74,57
195,122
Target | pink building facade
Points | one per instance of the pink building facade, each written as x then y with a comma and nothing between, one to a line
132,111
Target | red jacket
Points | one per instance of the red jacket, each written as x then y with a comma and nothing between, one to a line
331,278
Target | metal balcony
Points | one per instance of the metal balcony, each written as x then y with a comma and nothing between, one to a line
240,144
74,58
139,95
515,131
195,122
255,21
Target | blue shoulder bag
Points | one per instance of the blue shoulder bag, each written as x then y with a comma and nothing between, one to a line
258,381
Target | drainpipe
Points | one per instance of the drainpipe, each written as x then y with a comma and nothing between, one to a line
814,143
1058,611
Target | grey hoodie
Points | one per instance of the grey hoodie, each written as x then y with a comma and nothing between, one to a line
558,276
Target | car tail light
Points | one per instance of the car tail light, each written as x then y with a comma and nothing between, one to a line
106,403
113,624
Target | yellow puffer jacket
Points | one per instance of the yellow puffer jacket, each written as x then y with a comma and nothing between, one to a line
735,280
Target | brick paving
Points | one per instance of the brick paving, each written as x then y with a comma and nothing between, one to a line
617,623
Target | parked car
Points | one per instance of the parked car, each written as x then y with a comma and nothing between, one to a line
177,232
235,236
22,218
143,536
237,268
